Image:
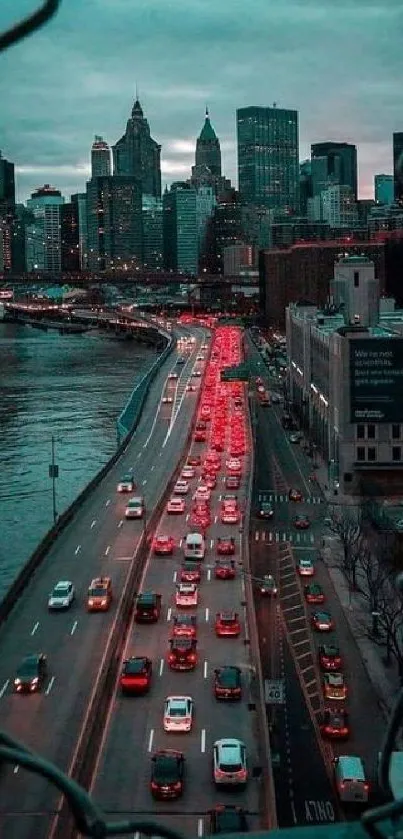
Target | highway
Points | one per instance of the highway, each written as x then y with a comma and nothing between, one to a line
304,792
98,541
134,729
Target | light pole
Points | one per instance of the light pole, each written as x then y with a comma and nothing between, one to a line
53,475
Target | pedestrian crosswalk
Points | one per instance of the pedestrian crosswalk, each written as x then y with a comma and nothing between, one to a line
285,536
282,498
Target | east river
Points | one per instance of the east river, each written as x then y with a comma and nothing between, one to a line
72,388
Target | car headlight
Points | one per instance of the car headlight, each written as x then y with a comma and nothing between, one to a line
17,681
35,681
65,602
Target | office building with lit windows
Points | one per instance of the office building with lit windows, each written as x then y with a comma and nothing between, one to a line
180,228
43,237
100,157
268,157
344,379
398,165
384,189
114,219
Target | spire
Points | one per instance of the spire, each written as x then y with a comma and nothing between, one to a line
137,110
207,133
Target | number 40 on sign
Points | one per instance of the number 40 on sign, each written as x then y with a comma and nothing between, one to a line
274,691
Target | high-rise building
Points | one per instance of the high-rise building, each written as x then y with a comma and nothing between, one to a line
305,186
79,199
43,238
138,155
384,189
268,167
114,222
69,232
398,164
333,163
339,208
100,157
7,186
180,228
208,151
205,203
153,242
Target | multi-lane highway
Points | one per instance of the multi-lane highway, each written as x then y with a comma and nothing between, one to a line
304,790
98,541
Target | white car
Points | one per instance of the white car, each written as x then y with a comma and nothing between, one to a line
188,472
229,762
126,484
233,463
186,595
173,376
203,493
178,713
62,595
167,400
305,568
181,487
175,505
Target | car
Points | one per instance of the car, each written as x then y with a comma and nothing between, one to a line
334,686
302,522
184,626
227,818
190,388
182,653
322,621
186,595
210,481
180,360
268,586
126,484
229,511
314,593
99,597
305,567
295,494
200,515
329,657
62,596
228,682
167,774
181,487
148,607
190,572
229,762
194,460
31,674
203,493
173,375
224,569
227,624
188,472
265,510
196,374
175,506
232,482
234,466
334,724
135,507
167,400
178,713
200,436
136,674
225,545
163,545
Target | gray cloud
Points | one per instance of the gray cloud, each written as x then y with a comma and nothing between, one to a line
339,64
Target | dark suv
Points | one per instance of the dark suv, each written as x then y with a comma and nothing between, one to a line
227,818
31,674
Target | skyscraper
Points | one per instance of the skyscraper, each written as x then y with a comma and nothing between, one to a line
384,189
153,243
100,157
114,222
398,164
208,151
180,228
7,186
69,232
268,167
43,239
138,155
79,199
333,163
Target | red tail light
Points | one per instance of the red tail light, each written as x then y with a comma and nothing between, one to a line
192,657
154,785
155,612
171,658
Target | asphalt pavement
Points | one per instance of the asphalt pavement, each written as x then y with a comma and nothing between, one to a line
98,541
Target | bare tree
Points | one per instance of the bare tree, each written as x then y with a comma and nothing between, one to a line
388,625
346,523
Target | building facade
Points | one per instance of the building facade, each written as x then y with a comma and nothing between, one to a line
79,199
338,207
153,239
70,239
268,159
136,154
384,189
398,165
100,158
345,369
334,163
114,219
180,228
43,237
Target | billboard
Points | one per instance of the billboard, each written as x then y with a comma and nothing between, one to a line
376,380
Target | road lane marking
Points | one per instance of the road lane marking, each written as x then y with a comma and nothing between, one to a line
50,685
180,542
203,740
152,468
215,519
175,576
169,613
211,543
161,666
35,627
144,482
74,627
120,523
209,574
16,769
139,455
77,550
205,668
93,523
188,517
4,688
207,613
150,740
107,550
200,826
107,502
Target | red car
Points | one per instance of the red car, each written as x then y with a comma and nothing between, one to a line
163,545
210,481
295,495
226,545
232,482
322,621
224,569
190,572
184,626
234,466
330,658
230,512
194,460
227,624
200,516
200,436
302,522
136,675
182,653
335,724
314,593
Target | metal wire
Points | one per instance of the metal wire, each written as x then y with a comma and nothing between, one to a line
29,24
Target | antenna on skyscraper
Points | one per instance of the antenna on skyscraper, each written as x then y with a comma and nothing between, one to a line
137,92
207,113
274,104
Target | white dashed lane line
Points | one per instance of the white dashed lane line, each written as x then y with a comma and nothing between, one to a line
203,740
150,740
161,667
50,685
120,523
107,502
205,669
34,628
93,523
74,627
107,550
4,688
77,550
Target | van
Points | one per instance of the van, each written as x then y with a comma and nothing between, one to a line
194,546
351,783
135,507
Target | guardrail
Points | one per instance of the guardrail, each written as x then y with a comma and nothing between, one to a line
31,566
130,416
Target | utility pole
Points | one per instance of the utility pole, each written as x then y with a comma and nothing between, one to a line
53,474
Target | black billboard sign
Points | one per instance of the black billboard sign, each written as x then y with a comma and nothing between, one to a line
376,380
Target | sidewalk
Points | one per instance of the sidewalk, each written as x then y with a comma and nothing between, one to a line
385,680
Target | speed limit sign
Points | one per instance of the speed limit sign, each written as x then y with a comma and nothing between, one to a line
274,691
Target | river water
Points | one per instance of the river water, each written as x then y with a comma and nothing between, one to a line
71,387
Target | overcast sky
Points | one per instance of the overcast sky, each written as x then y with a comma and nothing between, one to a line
338,62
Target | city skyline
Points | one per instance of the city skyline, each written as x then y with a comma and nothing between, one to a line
289,53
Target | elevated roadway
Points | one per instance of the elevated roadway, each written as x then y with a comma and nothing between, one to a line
98,541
